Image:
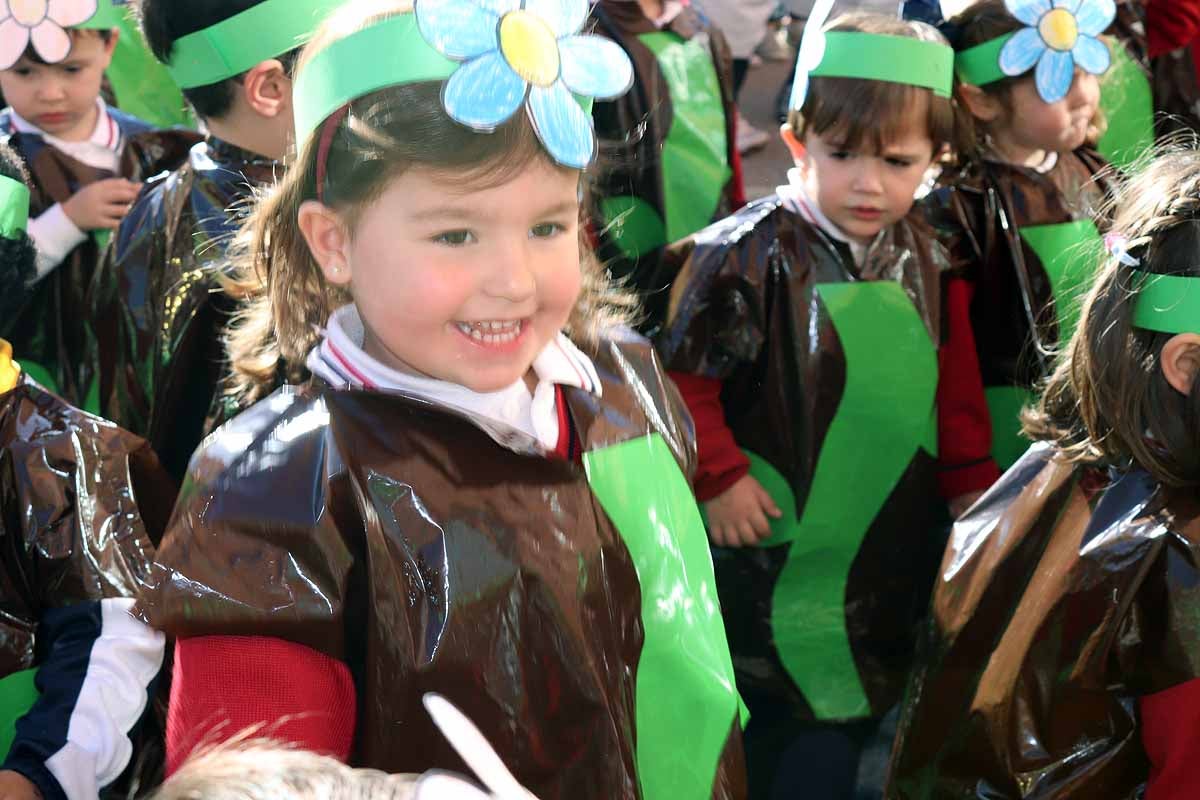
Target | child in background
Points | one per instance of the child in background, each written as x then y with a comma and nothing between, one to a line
1019,209
162,359
669,166
86,161
467,500
81,503
825,354
1063,655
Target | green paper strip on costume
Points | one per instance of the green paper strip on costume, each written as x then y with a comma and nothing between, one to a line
881,421
40,375
14,207
695,155
634,225
879,57
1168,304
1069,252
980,65
17,696
234,45
1005,404
1127,100
142,85
685,696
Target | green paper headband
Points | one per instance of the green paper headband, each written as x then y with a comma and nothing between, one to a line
1168,304
896,59
14,207
234,45
980,65
108,16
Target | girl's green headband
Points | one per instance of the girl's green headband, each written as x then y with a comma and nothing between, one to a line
1167,303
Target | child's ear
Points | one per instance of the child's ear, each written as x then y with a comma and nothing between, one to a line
110,46
1180,361
268,89
979,104
794,145
328,240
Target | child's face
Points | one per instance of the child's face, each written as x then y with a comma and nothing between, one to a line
1033,124
861,191
61,98
464,284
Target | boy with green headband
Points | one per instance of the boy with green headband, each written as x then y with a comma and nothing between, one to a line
163,360
85,160
1062,658
76,671
822,350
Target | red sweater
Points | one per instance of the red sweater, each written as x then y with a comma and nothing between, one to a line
1171,24
964,424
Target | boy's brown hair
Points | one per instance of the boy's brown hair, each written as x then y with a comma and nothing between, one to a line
870,112
1108,402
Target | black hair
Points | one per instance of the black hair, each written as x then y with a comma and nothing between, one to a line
18,257
166,21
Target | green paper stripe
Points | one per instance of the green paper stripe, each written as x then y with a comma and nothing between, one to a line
40,375
234,45
685,696
1168,304
14,207
107,16
142,85
633,225
891,384
1004,405
980,65
1069,253
897,59
17,696
695,155
388,54
1127,100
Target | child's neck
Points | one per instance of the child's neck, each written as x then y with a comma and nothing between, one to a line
653,9
1013,152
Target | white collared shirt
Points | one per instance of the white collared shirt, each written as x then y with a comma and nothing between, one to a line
514,417
795,199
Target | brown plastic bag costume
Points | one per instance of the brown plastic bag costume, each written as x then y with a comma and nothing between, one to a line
399,537
1064,596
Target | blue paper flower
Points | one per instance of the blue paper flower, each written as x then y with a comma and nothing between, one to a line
527,53
1062,35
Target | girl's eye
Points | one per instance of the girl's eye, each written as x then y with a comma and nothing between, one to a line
455,238
24,72
840,155
546,229
902,163
72,70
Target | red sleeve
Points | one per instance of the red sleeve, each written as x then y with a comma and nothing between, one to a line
222,685
1171,24
964,423
1170,728
721,462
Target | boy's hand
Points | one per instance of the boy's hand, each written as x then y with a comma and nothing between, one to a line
15,786
102,205
738,518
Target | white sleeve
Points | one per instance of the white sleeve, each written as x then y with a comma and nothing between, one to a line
55,236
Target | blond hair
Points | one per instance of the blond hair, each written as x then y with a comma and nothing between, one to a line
284,296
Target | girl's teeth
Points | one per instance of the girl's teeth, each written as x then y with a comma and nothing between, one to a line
491,332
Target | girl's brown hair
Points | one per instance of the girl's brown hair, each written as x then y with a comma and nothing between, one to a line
862,111
1108,402
979,23
285,298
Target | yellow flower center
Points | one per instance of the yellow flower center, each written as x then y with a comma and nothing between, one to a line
1059,29
530,48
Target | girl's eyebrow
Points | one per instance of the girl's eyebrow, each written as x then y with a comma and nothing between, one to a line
468,214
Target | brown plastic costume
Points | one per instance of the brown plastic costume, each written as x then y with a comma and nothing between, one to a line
986,213
397,536
821,620
162,360
52,330
1064,596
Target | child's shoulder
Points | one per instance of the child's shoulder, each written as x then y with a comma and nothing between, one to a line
128,124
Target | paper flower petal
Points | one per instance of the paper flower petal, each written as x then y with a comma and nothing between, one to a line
1092,55
564,17
1055,73
1028,11
71,12
1021,52
484,92
458,29
595,67
563,127
1094,16
51,42
14,38
1069,5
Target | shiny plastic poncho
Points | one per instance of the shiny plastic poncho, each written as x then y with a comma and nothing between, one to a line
830,377
667,144
54,332
163,361
1029,243
72,528
1064,596
567,608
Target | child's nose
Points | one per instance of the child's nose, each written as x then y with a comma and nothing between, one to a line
867,178
51,89
511,277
